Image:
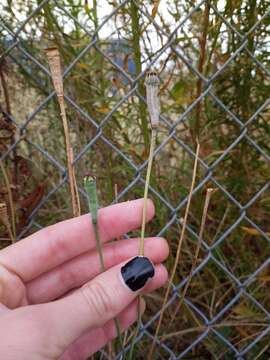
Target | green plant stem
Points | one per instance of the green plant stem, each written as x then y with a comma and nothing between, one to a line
146,188
91,190
139,320
99,246
141,248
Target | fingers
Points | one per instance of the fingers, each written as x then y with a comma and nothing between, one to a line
59,243
94,340
98,301
76,272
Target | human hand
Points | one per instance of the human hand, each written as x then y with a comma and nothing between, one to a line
53,301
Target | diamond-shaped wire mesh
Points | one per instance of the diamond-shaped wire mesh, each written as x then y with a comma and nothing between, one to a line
213,60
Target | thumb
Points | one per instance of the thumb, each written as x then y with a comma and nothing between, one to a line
98,301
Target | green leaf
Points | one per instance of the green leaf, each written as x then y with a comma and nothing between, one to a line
178,89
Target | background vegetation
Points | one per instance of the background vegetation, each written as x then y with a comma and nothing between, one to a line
110,137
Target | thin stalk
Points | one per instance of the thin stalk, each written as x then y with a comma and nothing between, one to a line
91,191
55,67
136,36
209,193
177,257
152,87
262,352
110,350
111,343
77,196
10,200
139,321
141,248
220,225
146,188
215,326
202,43
122,342
119,238
95,15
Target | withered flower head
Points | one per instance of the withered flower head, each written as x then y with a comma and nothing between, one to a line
152,87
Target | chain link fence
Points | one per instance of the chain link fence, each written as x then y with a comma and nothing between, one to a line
19,38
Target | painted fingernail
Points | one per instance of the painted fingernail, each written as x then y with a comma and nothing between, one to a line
137,271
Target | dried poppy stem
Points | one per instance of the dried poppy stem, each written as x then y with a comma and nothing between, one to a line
90,186
55,67
146,188
152,87
176,261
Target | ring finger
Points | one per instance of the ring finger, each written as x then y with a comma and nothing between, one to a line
74,273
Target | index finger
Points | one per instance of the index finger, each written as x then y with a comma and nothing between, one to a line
58,243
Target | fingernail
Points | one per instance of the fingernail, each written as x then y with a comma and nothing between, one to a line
137,271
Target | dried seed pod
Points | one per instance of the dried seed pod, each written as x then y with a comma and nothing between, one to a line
55,67
53,56
152,87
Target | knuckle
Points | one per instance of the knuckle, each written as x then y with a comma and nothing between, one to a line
68,277
98,300
114,253
12,289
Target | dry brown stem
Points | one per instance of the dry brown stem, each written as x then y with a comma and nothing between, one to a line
55,67
209,193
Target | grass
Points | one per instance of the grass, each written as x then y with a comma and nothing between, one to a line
90,185
120,142
177,257
209,193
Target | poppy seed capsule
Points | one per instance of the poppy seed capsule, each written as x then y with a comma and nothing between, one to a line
152,86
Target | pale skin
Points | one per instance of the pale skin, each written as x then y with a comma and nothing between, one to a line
54,303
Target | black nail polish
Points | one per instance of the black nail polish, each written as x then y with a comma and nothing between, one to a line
137,271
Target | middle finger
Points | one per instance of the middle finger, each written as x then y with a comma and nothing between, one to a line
81,269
